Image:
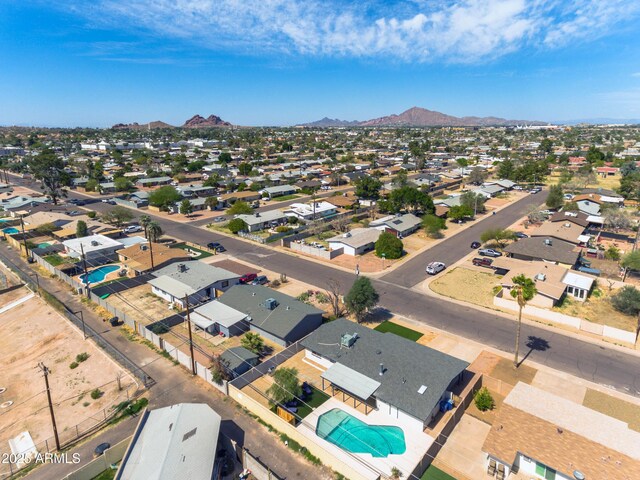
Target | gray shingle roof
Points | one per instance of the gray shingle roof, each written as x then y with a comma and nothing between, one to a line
535,248
235,356
280,321
195,277
261,217
407,365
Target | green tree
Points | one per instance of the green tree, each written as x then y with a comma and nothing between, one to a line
506,169
362,298
164,197
555,199
122,184
219,371
483,400
389,246
412,199
286,386
144,221
368,187
240,208
462,162
499,235
48,168
81,229
252,342
225,157
118,216
186,207
523,290
477,176
154,231
459,212
211,202
245,168
433,225
237,225
627,300
546,146
91,185
473,201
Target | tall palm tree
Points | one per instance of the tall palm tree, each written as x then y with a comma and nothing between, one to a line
154,231
523,290
145,220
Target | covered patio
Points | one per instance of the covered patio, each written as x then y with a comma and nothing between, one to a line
354,387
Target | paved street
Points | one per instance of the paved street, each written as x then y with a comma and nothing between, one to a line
593,362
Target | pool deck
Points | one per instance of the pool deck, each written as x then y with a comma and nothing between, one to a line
417,441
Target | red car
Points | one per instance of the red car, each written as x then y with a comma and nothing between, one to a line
248,277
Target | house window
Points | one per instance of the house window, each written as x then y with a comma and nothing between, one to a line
570,290
225,283
545,472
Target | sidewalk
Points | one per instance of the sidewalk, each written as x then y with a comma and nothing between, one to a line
174,385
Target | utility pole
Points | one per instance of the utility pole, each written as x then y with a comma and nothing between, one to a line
24,238
46,372
193,358
84,267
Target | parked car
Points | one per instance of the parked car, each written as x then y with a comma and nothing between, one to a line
546,212
100,449
482,261
132,229
475,245
535,190
114,321
216,246
260,280
489,252
219,219
248,277
568,196
521,235
435,267
73,213
73,201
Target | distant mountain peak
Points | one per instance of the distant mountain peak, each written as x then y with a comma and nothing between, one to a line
198,121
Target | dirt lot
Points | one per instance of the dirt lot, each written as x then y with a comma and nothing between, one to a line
466,285
139,303
614,407
598,310
31,333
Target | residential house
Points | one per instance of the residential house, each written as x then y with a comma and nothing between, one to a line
107,187
238,360
138,259
503,182
153,182
544,436
566,231
197,280
399,225
263,220
553,282
179,441
384,371
346,200
97,249
591,203
607,171
21,202
489,191
544,249
579,218
311,211
277,317
355,242
230,198
278,191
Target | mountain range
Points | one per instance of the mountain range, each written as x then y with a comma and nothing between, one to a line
196,121
421,117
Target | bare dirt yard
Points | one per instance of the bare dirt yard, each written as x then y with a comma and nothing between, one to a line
33,332
466,285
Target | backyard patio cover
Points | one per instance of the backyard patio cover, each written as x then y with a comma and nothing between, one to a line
351,381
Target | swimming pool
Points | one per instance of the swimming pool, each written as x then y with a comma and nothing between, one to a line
10,230
97,275
353,435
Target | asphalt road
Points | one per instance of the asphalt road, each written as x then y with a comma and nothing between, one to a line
593,362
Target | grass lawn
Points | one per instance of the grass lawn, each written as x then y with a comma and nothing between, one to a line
598,310
399,330
203,254
613,407
434,473
284,198
504,371
54,259
314,400
108,474
466,285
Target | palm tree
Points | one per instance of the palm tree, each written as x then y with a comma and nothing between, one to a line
523,290
145,220
154,231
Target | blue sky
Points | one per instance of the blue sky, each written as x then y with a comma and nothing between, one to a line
281,62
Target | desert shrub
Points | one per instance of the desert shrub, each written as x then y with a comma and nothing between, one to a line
96,394
73,365
159,328
81,357
483,400
627,300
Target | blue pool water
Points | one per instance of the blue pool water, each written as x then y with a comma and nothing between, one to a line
353,435
97,275
10,230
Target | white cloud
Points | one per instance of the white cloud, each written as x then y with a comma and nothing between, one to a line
456,31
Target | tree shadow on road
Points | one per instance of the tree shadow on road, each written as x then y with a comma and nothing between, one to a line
535,344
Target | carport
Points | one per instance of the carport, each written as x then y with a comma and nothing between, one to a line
359,387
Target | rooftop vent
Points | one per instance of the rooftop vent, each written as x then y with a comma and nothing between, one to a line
422,389
143,247
182,267
541,276
548,242
347,340
94,243
347,235
567,225
271,303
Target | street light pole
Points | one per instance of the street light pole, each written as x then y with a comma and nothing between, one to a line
46,372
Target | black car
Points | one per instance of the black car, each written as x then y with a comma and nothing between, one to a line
216,246
114,321
475,245
100,449
521,235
